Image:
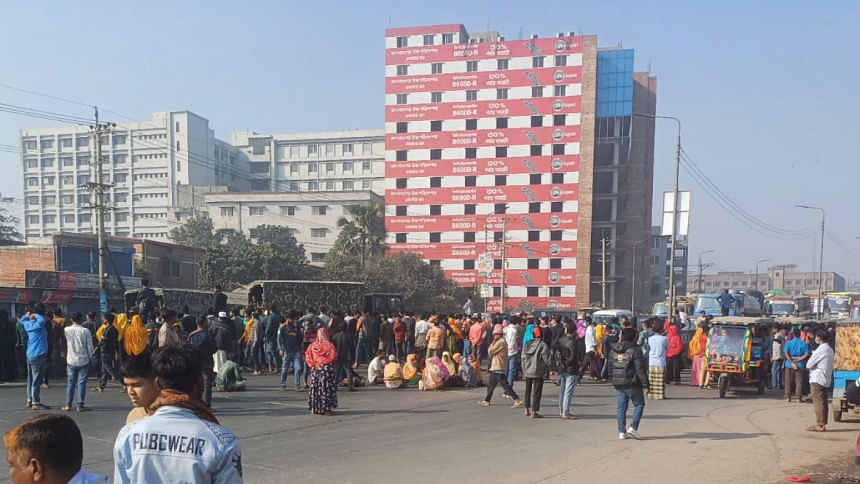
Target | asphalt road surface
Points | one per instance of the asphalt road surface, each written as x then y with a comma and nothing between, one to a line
380,435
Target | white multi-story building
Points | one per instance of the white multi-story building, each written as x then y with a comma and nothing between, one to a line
311,217
310,162
143,161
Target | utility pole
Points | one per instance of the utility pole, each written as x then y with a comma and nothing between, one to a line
504,262
603,273
820,309
700,281
756,272
97,188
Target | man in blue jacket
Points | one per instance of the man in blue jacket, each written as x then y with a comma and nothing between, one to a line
37,353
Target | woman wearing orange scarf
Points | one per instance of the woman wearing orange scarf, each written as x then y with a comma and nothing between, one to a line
135,337
320,357
696,351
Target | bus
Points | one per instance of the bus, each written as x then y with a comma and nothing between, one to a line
839,304
742,305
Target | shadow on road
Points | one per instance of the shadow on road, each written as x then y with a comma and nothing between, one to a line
709,436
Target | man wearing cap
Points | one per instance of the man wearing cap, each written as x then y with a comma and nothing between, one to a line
498,352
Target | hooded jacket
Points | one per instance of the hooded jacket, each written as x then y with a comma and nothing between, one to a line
569,350
536,358
628,367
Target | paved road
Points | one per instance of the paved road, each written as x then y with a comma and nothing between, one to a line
380,435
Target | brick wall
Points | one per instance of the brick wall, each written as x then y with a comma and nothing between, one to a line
17,259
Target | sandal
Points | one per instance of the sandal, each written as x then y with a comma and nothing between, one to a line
527,413
570,417
537,415
816,428
483,403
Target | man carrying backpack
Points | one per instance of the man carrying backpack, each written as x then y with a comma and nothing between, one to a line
629,374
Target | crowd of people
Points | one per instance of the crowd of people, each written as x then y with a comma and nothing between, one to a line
168,363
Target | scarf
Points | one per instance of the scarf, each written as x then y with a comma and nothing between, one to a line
530,334
694,348
580,329
448,363
173,398
101,331
320,352
442,368
121,323
410,369
675,344
136,337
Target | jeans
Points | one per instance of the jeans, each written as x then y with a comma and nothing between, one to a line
294,360
76,375
109,369
344,370
361,350
390,348
776,367
272,353
513,366
208,377
258,355
35,375
467,349
400,347
566,383
624,396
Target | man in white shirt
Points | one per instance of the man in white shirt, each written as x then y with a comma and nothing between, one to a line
820,367
422,327
376,369
590,348
79,350
512,339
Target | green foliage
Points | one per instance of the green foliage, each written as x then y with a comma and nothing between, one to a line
196,232
362,233
8,224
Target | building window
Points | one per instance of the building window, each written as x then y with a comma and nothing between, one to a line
501,151
501,180
329,149
47,181
555,263
400,238
468,236
555,291
500,208
497,263
317,233
294,169
468,264
313,150
429,39
533,264
256,210
502,64
288,210
502,93
536,150
400,183
471,153
436,154
329,184
400,210
560,60
558,119
435,125
402,70
435,97
558,177
559,90
555,235
501,123
403,41
294,186
178,146
312,167
534,207
472,95
471,66
346,148
313,186
83,160
471,124
558,149
329,167
348,185
435,237
447,38
47,144
402,127
535,179
67,161
226,211
435,181
52,219
537,61
436,68
537,91
365,166
81,142
556,207
470,181
435,209
469,209
401,99
534,235
347,166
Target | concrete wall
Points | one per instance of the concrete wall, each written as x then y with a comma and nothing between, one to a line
586,170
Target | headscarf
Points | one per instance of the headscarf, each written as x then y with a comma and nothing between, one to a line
580,329
410,369
136,337
477,368
456,327
448,363
530,334
121,323
320,352
457,358
694,348
433,376
101,331
675,344
444,369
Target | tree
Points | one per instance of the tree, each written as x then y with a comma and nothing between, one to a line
8,224
364,230
198,231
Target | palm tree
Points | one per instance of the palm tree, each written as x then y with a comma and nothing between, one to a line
365,230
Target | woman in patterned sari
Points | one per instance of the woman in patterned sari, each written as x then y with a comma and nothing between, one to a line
320,357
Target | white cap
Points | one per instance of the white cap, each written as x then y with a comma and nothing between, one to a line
392,358
222,314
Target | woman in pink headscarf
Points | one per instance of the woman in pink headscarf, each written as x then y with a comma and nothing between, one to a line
320,357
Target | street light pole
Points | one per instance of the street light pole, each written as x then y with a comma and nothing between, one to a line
756,271
674,208
700,279
820,309
633,282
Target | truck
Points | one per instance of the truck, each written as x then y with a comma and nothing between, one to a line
742,305
839,304
172,298
846,366
779,305
304,295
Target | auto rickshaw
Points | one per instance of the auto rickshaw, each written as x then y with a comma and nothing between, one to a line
735,351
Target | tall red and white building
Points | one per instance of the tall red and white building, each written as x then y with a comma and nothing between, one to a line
489,156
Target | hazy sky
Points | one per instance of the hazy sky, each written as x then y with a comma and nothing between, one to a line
766,91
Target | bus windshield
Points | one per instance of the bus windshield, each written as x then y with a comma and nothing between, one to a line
838,304
707,302
783,309
661,309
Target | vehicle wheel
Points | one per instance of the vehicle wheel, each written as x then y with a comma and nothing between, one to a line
724,385
837,416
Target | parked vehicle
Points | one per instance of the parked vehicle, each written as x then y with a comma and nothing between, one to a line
742,305
846,367
839,304
780,306
611,317
735,352
302,295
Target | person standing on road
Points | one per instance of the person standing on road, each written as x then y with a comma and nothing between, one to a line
139,381
778,358
220,300
205,342
569,375
796,352
646,333
400,334
79,350
629,378
290,348
476,339
674,355
590,348
513,342
659,344
108,348
820,366
498,352
272,324
386,337
37,353
321,356
696,351
435,339
536,360
345,345
725,299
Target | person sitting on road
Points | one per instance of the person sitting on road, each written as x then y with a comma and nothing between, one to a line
229,378
411,372
466,372
376,369
393,373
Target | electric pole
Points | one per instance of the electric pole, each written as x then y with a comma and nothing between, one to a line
603,273
97,188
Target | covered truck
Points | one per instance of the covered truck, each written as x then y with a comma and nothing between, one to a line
167,298
846,366
303,295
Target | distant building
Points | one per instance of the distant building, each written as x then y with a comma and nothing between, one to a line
782,277
657,287
145,162
311,162
312,218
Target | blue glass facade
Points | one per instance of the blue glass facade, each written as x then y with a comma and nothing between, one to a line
614,83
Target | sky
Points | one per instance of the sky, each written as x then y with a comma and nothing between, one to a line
766,91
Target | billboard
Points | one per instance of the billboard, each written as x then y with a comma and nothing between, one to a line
482,137
482,109
483,194
544,76
480,223
484,50
470,250
683,213
484,166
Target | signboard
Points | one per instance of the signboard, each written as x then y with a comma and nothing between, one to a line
683,213
483,137
484,50
515,250
481,223
15,295
56,297
72,281
485,264
483,109
484,79
486,291
482,194
485,166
